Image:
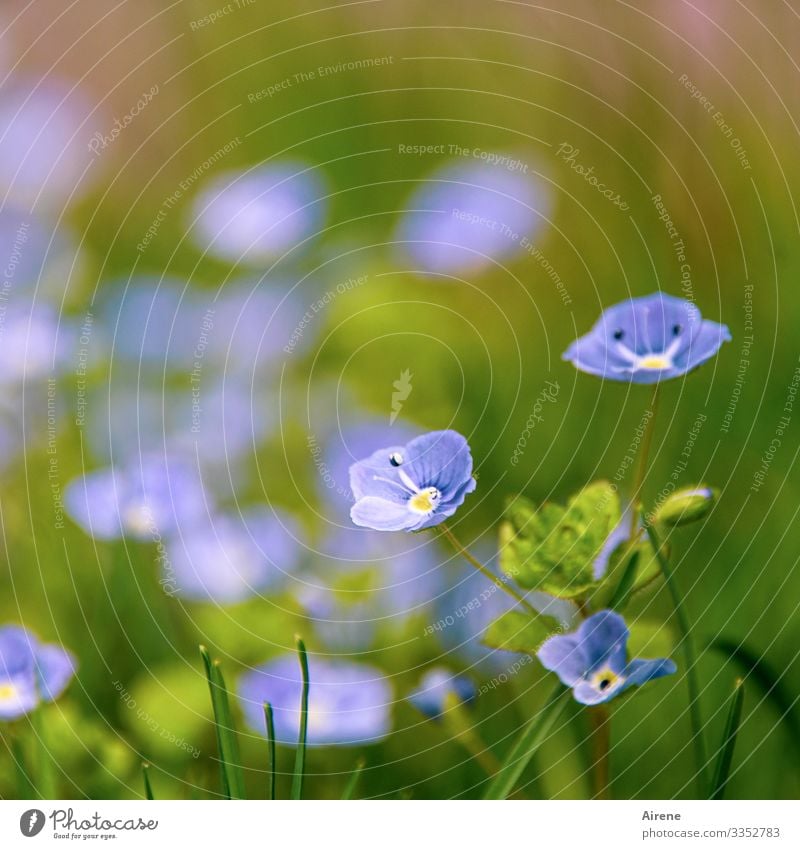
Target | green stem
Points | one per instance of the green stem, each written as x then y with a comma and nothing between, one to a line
600,720
641,470
690,658
486,572
734,720
270,723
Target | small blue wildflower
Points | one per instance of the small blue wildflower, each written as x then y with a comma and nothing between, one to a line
145,499
467,215
593,660
258,214
232,558
414,486
435,686
348,703
30,672
644,340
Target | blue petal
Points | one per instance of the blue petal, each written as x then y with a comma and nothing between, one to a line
382,515
24,698
441,459
17,648
566,657
604,639
377,477
704,344
56,667
641,671
92,503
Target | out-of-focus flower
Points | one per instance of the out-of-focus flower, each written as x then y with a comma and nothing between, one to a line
647,339
414,486
30,672
33,344
436,686
468,215
348,703
473,602
252,216
231,558
364,584
44,156
144,499
593,660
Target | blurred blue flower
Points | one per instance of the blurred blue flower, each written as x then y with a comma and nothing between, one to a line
30,672
644,340
255,215
414,486
144,499
44,158
231,558
593,660
468,214
348,703
434,688
363,584
34,346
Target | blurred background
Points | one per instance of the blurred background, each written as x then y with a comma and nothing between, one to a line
245,244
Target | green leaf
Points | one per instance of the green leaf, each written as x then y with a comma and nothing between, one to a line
515,631
553,548
532,737
725,759
300,756
230,766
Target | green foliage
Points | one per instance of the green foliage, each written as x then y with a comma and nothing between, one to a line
517,631
553,548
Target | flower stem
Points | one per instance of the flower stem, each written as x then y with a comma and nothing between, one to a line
498,582
690,658
600,720
644,456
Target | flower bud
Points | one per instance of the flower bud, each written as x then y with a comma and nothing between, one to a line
686,505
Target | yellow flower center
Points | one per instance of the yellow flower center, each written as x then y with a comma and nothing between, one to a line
425,500
605,680
655,362
8,692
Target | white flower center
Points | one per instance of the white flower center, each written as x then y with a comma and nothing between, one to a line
425,500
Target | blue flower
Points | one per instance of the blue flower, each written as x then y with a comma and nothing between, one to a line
436,685
414,486
648,339
232,558
593,660
348,703
30,672
145,499
258,214
467,215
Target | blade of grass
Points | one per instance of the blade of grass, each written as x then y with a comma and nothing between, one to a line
271,746
148,787
352,782
734,720
772,684
532,737
690,658
300,756
232,779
